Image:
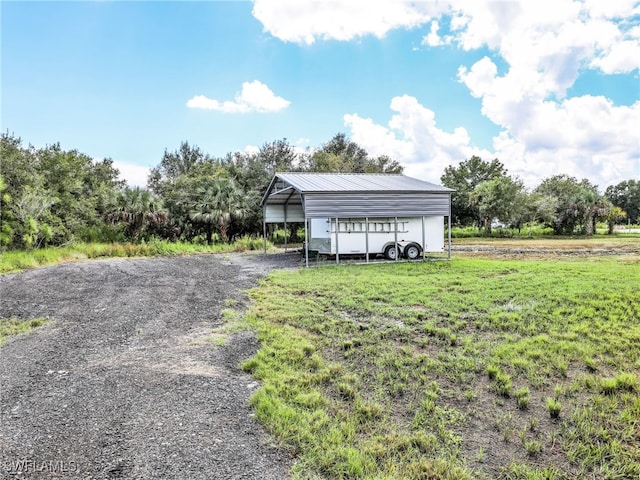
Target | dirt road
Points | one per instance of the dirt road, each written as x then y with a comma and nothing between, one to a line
121,384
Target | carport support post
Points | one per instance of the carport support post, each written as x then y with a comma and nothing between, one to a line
449,222
366,237
424,246
285,228
264,228
306,243
337,245
395,223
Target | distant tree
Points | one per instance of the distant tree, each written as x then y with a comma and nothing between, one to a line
325,162
464,178
352,155
626,195
216,206
139,210
52,195
538,208
613,215
567,192
278,156
6,230
498,198
342,155
174,164
383,164
587,206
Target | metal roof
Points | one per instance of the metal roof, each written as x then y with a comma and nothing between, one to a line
357,182
317,195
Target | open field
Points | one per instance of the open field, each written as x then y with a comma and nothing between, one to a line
548,248
513,366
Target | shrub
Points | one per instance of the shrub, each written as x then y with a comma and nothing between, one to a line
554,407
522,398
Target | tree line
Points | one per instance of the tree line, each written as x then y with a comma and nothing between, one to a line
486,193
50,196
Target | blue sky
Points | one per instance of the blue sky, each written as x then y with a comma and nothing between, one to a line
551,90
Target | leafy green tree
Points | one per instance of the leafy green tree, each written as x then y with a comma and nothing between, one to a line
613,215
325,162
175,164
342,155
6,230
498,198
278,156
626,195
587,206
85,190
383,164
538,208
140,211
464,178
567,192
252,174
216,206
178,196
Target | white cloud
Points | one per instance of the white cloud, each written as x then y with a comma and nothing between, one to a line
412,138
251,150
544,45
433,39
311,20
544,132
552,48
254,97
586,137
135,175
300,146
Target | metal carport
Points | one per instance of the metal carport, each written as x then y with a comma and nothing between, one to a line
299,197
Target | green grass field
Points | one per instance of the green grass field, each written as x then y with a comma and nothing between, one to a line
473,368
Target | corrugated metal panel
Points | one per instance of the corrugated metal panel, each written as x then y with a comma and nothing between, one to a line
357,182
352,195
276,213
346,205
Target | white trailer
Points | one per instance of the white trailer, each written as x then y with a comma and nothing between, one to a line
393,237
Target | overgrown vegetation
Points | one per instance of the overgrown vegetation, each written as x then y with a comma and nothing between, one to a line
474,368
20,260
15,326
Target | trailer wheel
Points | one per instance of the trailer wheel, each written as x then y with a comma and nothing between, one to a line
390,252
412,251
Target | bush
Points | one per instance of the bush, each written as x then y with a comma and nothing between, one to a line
249,243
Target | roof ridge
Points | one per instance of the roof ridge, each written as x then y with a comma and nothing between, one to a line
342,173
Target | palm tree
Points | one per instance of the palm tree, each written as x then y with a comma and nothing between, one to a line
139,209
216,205
612,216
588,205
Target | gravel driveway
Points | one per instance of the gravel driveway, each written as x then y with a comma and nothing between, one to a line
121,384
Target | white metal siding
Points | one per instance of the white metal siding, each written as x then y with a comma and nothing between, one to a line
275,213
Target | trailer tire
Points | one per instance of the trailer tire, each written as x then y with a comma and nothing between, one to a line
412,251
390,253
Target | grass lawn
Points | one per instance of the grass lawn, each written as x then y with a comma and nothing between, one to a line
14,326
473,368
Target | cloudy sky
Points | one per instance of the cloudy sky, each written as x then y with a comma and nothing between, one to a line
547,87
